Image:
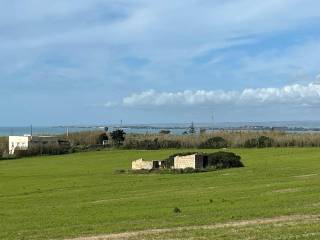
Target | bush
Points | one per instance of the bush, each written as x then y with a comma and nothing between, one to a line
251,143
3,145
260,142
203,131
215,142
145,144
49,149
85,138
164,132
150,144
220,160
264,141
169,144
177,210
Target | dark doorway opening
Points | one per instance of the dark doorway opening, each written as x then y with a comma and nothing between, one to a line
205,161
156,165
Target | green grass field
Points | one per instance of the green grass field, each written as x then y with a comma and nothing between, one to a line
276,196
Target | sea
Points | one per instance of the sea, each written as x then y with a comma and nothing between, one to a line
175,128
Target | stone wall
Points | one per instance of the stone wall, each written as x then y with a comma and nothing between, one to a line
141,164
191,161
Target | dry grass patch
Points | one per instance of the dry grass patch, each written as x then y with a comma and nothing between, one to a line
293,219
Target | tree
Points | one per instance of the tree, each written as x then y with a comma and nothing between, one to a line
215,142
118,137
192,130
164,132
203,131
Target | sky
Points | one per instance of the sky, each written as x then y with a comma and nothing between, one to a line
69,62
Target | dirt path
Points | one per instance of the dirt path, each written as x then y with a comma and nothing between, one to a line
244,223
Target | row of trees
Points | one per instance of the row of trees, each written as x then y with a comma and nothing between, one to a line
217,139
87,141
216,142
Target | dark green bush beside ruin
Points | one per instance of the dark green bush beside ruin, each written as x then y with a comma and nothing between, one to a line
221,160
215,142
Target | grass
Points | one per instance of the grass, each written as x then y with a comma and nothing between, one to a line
66,196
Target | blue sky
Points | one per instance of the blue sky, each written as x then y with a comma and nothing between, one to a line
100,61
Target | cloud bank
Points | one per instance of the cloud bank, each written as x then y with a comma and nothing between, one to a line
296,94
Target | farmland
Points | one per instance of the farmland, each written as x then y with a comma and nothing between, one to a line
275,196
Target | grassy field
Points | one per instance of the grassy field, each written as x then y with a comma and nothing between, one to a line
276,196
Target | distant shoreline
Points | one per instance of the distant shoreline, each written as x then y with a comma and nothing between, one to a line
307,126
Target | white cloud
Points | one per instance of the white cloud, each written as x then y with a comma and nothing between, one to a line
297,95
108,104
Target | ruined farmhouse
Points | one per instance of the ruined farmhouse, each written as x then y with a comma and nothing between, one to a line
142,164
216,160
195,161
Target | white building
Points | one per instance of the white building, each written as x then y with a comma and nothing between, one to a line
20,142
25,142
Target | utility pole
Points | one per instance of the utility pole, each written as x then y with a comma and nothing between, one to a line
212,119
31,131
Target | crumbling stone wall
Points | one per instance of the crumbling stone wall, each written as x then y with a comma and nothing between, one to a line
142,164
194,161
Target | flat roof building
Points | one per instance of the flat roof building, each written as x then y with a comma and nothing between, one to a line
27,141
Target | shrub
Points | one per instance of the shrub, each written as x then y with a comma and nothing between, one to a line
169,144
177,210
260,142
220,160
3,145
164,132
203,131
215,142
84,138
264,141
151,144
47,149
251,143
145,144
